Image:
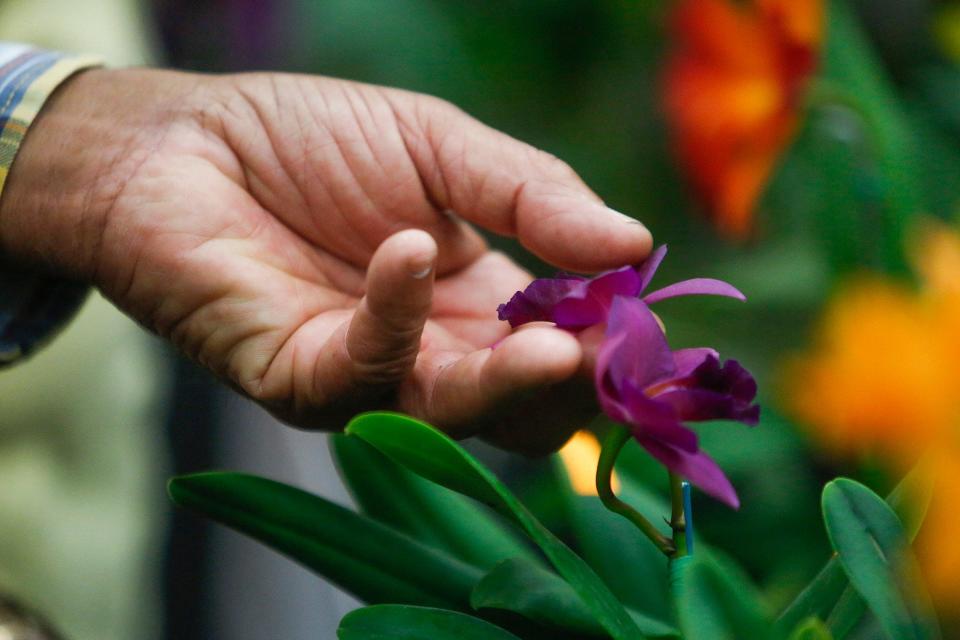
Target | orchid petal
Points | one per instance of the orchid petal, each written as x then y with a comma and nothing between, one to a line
687,360
536,302
657,420
731,379
649,267
698,468
588,304
621,282
643,355
607,392
712,392
697,405
695,287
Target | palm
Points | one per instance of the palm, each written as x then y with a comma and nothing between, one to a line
272,204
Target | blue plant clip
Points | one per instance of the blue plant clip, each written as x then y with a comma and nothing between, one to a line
688,516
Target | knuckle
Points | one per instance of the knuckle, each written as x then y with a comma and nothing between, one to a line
556,168
385,359
385,369
434,108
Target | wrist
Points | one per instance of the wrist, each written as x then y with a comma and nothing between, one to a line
90,135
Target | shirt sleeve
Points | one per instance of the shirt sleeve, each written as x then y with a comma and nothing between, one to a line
32,306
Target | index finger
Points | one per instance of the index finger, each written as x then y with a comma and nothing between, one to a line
514,189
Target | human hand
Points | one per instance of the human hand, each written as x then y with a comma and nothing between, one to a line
295,235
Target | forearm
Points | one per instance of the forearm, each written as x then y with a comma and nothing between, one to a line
72,164
32,303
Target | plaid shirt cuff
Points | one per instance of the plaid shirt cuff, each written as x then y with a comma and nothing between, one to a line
32,306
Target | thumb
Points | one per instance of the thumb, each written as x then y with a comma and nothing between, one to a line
376,348
383,338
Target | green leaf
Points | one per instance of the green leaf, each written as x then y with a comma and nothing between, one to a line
428,512
811,629
369,559
434,456
535,593
848,613
909,499
626,560
715,602
399,622
544,597
876,556
818,598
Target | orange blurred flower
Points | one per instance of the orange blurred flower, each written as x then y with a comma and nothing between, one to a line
733,90
883,379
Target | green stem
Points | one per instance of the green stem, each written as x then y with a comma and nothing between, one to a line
677,521
612,445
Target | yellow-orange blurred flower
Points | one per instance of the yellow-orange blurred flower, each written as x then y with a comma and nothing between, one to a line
580,456
883,378
878,380
938,545
733,90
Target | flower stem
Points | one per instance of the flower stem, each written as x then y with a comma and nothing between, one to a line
677,521
612,445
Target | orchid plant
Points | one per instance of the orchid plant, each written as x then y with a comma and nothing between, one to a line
643,385
435,549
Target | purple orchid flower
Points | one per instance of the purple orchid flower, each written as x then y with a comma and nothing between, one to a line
642,383
575,302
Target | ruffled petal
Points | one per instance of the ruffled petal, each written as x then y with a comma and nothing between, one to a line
712,392
697,405
697,467
695,287
731,378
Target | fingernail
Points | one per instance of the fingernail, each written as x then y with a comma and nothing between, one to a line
422,266
626,218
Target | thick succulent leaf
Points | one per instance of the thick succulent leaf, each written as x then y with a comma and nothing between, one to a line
432,514
434,456
909,500
626,560
848,614
716,602
544,597
535,593
875,554
399,622
370,560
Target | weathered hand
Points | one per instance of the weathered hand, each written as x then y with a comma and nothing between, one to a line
296,235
